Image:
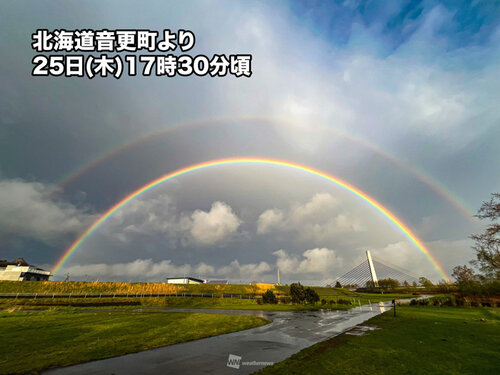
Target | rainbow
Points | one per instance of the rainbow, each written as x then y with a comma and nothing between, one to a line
403,165
250,160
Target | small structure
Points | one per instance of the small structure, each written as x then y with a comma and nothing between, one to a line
20,270
185,280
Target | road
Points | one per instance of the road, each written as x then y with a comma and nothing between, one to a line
289,332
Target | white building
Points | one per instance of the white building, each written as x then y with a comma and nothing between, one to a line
185,280
20,270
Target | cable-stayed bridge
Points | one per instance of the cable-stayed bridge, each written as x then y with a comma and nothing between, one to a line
373,270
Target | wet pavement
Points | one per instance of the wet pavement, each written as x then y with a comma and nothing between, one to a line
289,332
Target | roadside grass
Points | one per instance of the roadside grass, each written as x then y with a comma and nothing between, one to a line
32,341
420,340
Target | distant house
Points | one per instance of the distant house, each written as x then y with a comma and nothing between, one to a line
218,282
20,270
185,280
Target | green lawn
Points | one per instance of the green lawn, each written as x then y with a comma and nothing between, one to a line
32,341
329,294
186,302
420,340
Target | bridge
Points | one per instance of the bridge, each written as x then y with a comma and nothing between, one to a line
372,270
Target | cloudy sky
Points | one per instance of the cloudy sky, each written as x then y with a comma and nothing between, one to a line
399,98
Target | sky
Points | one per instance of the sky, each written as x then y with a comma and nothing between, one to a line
398,98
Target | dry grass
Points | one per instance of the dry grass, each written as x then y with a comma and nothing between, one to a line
97,287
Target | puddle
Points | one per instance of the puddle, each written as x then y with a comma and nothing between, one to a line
361,330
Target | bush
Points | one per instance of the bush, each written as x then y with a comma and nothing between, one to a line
269,297
388,283
310,295
344,302
297,293
423,302
475,288
323,301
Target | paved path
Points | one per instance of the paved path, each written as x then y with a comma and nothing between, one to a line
289,332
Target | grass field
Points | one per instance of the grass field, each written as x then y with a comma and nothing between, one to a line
32,341
330,296
186,302
420,340
96,287
82,287
157,302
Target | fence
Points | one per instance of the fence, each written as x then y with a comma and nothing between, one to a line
129,295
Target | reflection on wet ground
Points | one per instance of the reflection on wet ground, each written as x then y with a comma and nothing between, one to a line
289,332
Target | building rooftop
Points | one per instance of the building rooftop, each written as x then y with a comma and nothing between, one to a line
187,277
15,262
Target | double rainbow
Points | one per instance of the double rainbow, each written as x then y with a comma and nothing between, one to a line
248,160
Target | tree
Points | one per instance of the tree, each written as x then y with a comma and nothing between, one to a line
269,297
297,293
338,285
370,284
487,244
463,274
388,283
310,295
425,282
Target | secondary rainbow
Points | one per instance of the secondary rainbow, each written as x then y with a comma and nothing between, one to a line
405,166
251,160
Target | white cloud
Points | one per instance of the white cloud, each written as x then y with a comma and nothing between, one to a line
407,257
423,86
144,269
249,272
319,260
270,220
33,210
158,215
147,269
214,226
320,219
145,216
